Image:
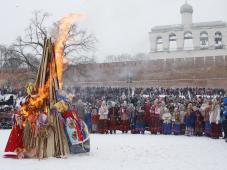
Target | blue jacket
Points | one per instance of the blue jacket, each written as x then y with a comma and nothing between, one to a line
225,101
225,110
192,118
187,120
88,120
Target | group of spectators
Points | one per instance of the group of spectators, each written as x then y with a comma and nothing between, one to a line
9,90
178,111
181,111
8,103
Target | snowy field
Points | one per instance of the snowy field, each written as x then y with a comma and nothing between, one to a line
132,152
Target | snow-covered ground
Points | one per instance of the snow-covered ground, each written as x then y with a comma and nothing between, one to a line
132,152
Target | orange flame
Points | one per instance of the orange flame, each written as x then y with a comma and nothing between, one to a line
64,28
35,102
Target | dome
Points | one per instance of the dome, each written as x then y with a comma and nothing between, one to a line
186,8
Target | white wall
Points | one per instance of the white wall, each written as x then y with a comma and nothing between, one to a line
187,54
186,19
196,41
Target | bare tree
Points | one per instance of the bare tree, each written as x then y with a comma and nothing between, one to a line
118,58
126,57
27,50
3,51
140,56
79,41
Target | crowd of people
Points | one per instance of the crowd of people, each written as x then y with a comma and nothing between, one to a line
178,111
185,111
9,90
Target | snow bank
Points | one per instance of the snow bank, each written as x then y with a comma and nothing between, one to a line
132,152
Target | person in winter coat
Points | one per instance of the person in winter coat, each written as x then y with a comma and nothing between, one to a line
176,122
167,125
215,120
147,108
103,119
113,118
182,114
193,120
155,119
207,126
80,106
124,116
88,117
15,140
160,109
198,122
132,117
189,121
224,119
139,120
94,120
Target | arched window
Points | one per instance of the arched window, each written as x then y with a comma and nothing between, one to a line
172,42
159,44
188,41
218,40
204,42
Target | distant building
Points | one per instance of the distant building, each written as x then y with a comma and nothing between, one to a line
185,55
188,54
188,39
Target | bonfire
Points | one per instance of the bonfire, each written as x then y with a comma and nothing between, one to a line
44,123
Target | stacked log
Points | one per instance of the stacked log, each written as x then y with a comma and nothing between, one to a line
50,140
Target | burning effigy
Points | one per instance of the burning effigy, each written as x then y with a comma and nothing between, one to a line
47,124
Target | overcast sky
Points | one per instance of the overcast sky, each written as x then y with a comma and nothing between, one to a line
121,26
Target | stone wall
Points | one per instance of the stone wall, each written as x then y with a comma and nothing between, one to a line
179,72
15,78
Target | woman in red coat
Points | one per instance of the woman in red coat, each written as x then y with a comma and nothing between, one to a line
15,140
147,117
155,118
94,120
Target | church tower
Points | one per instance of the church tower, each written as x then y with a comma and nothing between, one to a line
186,11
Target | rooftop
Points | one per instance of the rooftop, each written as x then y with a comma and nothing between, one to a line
180,27
186,8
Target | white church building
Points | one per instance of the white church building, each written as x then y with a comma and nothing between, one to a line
188,39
